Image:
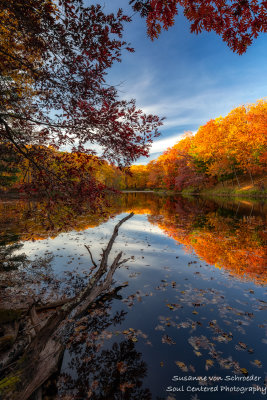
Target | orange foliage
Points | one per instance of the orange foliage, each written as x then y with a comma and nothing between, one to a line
235,245
223,148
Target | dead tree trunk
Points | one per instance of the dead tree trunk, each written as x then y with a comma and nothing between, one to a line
42,355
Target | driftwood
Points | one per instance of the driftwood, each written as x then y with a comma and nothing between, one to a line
44,347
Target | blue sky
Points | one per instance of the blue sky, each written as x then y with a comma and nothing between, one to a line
184,77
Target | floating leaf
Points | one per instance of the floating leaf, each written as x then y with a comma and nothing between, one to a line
167,339
257,363
209,364
191,368
244,371
182,366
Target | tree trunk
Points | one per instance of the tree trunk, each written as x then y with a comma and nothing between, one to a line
44,352
250,177
236,178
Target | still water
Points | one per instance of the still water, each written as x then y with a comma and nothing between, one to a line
189,321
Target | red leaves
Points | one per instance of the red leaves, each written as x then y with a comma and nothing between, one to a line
73,46
238,23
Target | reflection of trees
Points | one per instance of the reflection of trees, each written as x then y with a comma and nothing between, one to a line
8,260
33,220
35,357
99,373
219,236
36,220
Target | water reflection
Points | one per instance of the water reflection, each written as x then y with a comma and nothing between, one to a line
228,235
8,260
179,315
97,365
222,237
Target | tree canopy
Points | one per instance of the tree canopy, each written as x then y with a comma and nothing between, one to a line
238,22
221,149
54,60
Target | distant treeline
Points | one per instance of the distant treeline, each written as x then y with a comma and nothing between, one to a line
222,149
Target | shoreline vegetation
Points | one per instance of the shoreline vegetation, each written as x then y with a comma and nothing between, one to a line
246,190
226,157
229,190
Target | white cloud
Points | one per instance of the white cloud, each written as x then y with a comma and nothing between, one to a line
161,145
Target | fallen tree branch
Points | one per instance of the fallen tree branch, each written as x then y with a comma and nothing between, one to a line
89,251
44,352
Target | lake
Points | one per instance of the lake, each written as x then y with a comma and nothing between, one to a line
188,320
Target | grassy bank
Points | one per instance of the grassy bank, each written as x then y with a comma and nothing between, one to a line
245,188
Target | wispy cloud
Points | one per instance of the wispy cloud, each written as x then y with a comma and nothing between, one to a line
161,145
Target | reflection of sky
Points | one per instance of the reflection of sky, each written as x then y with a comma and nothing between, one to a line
151,248
136,237
162,274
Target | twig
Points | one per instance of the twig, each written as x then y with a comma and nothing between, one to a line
89,251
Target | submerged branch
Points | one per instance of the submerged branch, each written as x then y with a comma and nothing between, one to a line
42,354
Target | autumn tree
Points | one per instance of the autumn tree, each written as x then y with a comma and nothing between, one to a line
223,148
54,60
137,177
235,144
156,174
9,170
237,22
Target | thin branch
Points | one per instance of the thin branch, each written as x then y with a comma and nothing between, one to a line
89,251
49,124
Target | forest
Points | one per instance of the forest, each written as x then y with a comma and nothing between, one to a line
55,94
230,148
226,148
90,240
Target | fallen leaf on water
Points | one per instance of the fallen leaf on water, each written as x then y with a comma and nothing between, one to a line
191,368
209,364
244,371
257,363
182,366
241,346
160,328
167,339
170,306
